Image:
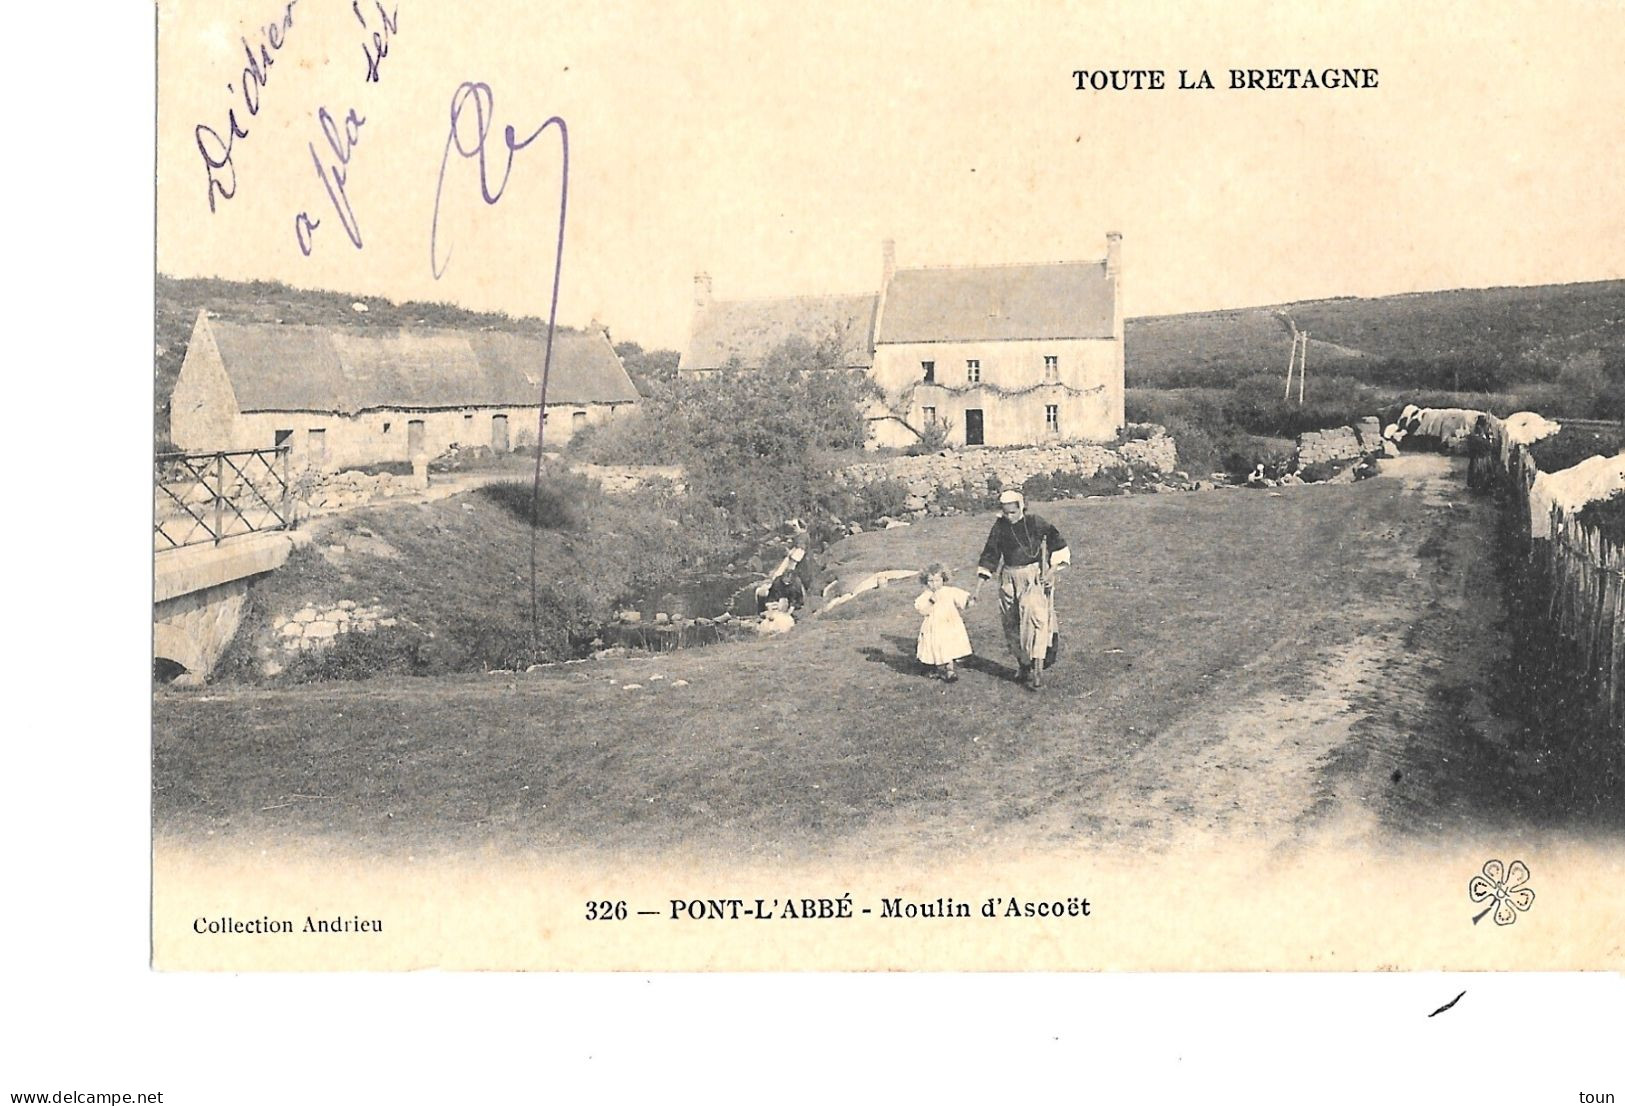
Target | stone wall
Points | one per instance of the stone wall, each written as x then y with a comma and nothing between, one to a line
984,468
333,491
1341,443
622,479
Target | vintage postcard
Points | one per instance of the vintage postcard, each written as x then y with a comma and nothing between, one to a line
989,486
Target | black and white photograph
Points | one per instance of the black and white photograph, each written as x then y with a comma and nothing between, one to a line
865,487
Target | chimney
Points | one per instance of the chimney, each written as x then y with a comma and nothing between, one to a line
702,290
888,261
1114,254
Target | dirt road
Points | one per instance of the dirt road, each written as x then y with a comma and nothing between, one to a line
1318,665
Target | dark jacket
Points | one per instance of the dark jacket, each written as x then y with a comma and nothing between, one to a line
1017,544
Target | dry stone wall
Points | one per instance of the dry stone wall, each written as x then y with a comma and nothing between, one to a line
623,479
1341,443
952,470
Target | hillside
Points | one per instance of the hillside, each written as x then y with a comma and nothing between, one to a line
1530,333
179,300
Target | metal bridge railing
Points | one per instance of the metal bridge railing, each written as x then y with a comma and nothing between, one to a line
205,498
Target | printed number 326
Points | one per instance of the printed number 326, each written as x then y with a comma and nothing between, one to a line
605,911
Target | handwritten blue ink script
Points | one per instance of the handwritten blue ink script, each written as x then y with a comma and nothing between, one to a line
333,163
216,151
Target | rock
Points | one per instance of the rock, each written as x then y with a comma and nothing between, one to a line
630,616
364,625
305,614
321,630
679,683
346,604
291,629
661,618
337,614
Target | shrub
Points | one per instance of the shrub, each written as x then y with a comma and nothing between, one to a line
882,497
1067,484
1198,451
652,435
356,656
972,496
933,439
562,500
1607,515
1571,445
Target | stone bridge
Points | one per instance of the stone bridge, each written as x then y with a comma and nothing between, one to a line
197,599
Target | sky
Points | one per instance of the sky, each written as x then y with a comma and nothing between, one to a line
776,145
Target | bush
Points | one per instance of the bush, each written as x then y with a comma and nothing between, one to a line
970,497
933,439
1198,451
1066,484
1571,445
1607,515
882,497
356,656
652,435
562,500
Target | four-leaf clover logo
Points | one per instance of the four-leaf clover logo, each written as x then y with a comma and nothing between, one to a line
1505,885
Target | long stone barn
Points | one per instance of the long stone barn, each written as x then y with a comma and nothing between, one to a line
998,354
345,397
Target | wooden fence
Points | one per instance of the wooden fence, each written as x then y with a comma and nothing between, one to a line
1573,581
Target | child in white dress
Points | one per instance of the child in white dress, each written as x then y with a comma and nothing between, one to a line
942,639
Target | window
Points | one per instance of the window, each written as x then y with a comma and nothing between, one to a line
284,437
1052,367
930,416
316,443
1052,418
930,370
386,428
973,371
578,421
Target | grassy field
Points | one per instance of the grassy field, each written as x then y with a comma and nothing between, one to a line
1544,324
1235,662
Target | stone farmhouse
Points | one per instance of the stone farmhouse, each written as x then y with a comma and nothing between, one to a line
999,354
343,397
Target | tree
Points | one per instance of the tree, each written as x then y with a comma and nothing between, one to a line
651,369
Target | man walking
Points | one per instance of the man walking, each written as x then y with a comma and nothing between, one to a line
1025,551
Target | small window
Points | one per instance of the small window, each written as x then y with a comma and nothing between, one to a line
973,371
930,370
1052,418
316,443
386,428
930,416
578,421
284,437
1052,366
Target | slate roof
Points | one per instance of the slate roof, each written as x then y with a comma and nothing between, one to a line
999,302
750,329
278,367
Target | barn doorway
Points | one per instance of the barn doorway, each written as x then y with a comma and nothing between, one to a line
414,438
499,433
973,426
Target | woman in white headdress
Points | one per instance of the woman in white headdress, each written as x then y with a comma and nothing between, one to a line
1025,551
